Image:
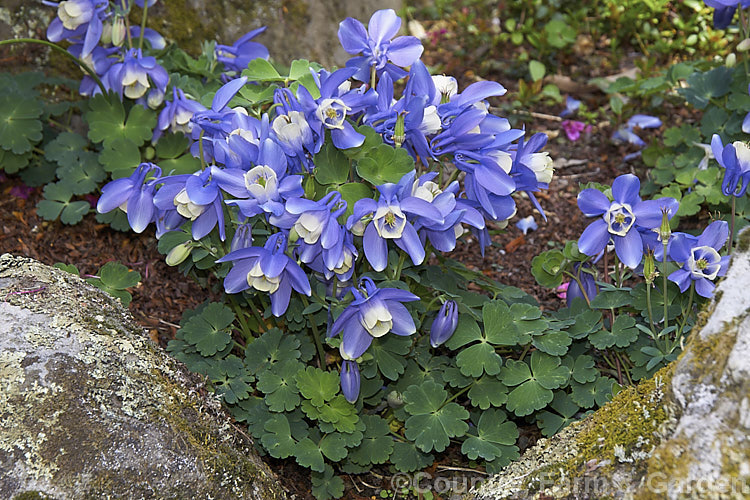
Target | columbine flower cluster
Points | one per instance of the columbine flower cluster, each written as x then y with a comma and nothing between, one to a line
101,37
261,166
636,227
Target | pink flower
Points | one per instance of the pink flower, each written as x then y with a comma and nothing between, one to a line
21,191
562,290
574,128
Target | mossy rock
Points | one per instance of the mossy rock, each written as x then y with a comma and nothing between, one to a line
91,408
683,434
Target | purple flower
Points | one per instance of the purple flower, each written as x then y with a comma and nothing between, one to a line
379,49
267,269
373,313
574,128
700,259
78,21
389,222
620,219
134,195
138,75
176,115
237,56
735,158
574,290
444,324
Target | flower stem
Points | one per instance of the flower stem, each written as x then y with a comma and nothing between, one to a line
70,56
664,280
731,225
397,274
650,311
240,313
143,24
316,335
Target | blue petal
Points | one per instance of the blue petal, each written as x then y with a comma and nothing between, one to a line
594,238
140,210
644,121
342,321
403,323
352,35
704,287
299,279
236,279
648,214
409,242
226,92
347,137
356,341
405,50
526,224
682,278
593,202
384,25
350,380
715,235
626,188
376,248
629,248
280,298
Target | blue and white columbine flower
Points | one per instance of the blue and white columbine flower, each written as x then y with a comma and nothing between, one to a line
134,195
373,313
700,259
389,222
266,269
380,51
735,158
620,219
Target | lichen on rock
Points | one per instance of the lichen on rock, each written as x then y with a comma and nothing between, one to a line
685,433
91,408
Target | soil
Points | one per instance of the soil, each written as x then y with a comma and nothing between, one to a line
163,293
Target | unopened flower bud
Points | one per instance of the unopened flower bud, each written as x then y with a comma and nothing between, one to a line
399,133
730,60
395,399
444,324
744,45
350,380
179,253
118,31
243,237
664,230
649,268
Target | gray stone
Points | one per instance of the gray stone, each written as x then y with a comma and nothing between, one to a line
685,433
297,29
91,408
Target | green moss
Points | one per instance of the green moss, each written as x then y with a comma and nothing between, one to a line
32,495
743,245
627,427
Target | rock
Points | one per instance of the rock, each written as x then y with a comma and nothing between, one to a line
91,408
685,433
297,29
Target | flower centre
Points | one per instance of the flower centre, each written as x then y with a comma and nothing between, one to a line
704,262
332,113
187,208
619,218
390,222
261,282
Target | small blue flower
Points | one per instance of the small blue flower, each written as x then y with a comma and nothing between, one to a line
700,259
134,195
620,219
378,47
444,324
735,158
176,115
527,224
373,313
237,56
626,134
138,75
574,290
389,222
78,21
267,269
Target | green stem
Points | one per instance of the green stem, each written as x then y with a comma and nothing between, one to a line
200,151
664,280
240,313
316,335
650,311
462,391
70,56
731,227
397,274
143,24
625,368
